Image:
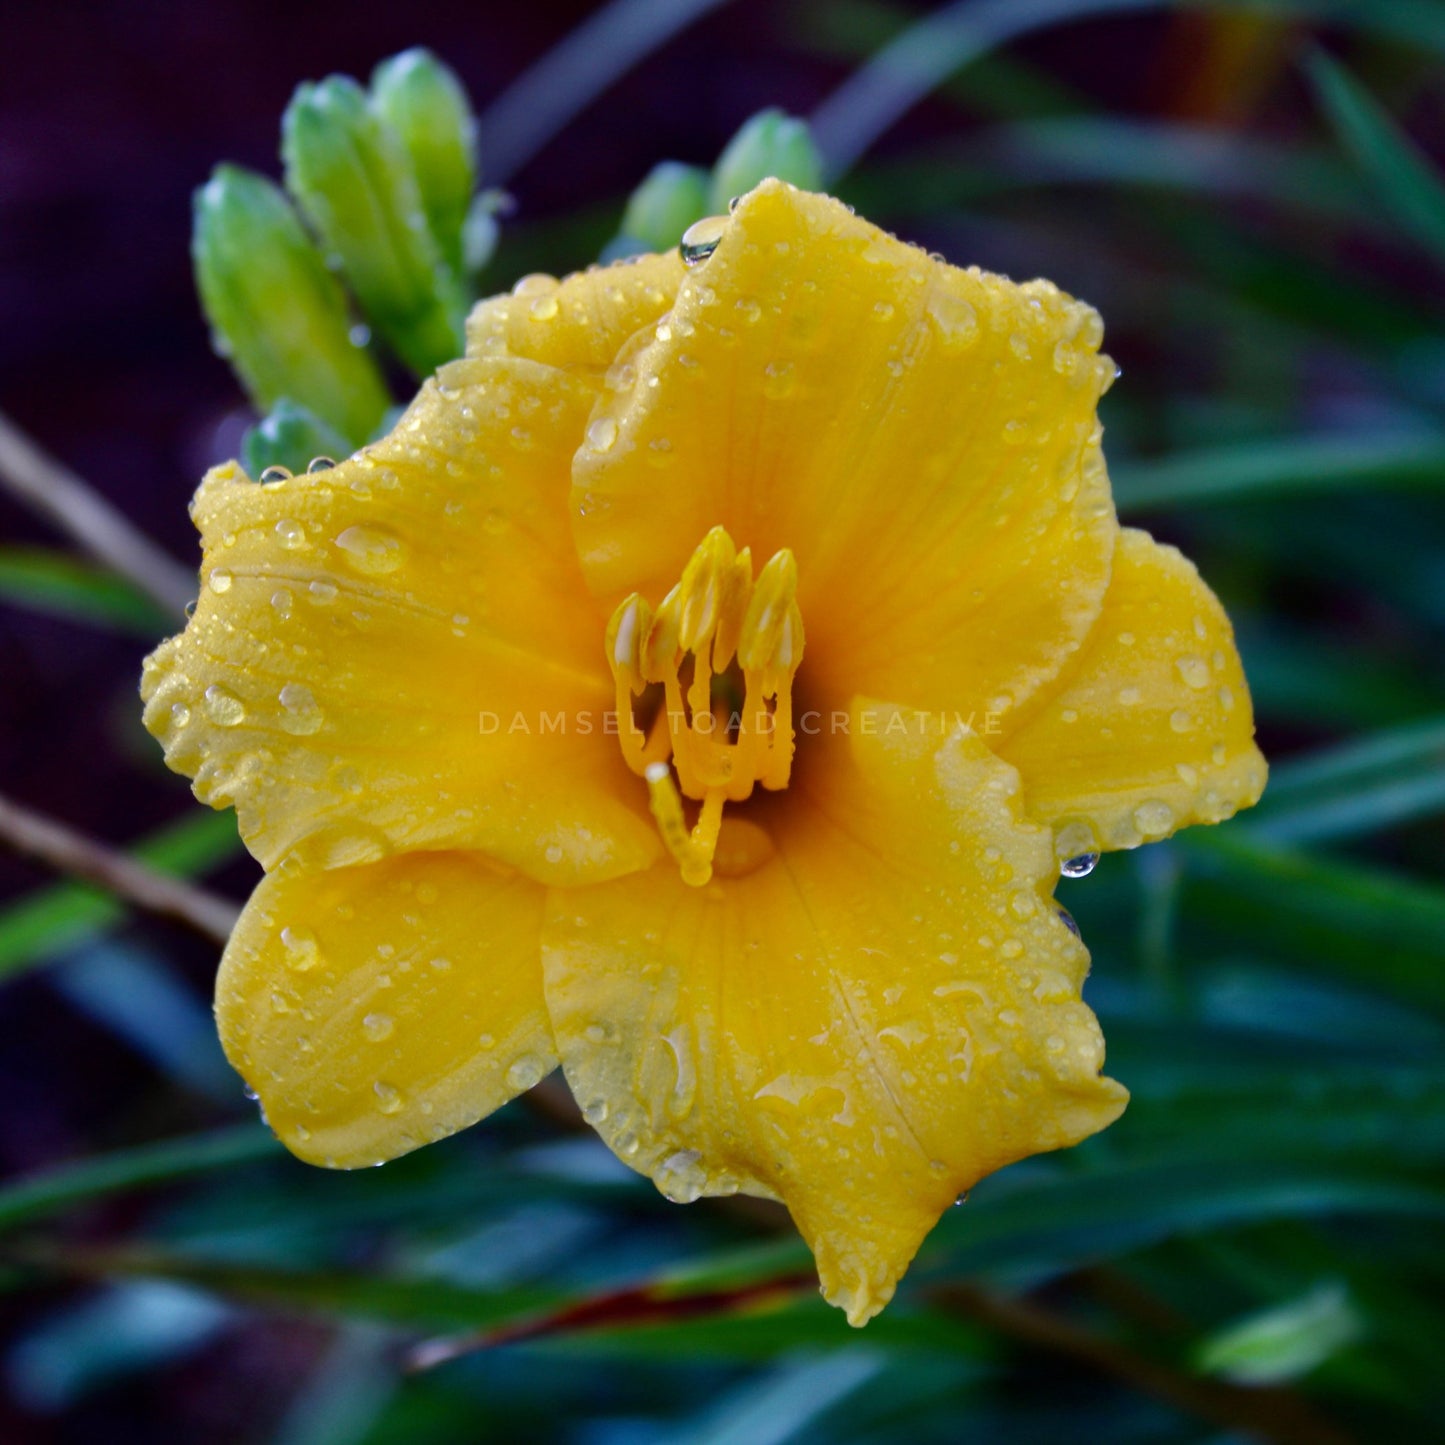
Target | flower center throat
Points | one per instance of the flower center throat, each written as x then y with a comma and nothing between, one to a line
721,649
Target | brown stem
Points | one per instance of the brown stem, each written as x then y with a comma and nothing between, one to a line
52,489
62,848
1265,1413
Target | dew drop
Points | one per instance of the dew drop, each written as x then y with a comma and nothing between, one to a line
544,308
322,591
378,1027
1180,720
954,319
321,464
602,434
1154,818
596,1112
779,379
180,714
219,580
535,283
525,1072
701,239
302,950
281,601
1067,919
272,475
224,708
300,716
1194,671
371,550
1079,866
388,1097
291,534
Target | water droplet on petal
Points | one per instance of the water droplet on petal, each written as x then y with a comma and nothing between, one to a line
300,716
223,708
526,1072
1079,866
302,950
954,319
291,534
1194,671
378,1027
388,1097
371,550
779,379
701,239
272,475
1154,818
601,434
219,580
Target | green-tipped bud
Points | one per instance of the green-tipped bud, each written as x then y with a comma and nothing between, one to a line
350,173
424,103
671,198
482,231
276,312
770,144
290,436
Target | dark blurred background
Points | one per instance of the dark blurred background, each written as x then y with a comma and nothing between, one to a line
1177,170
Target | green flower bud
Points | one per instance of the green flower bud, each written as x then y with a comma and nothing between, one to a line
671,198
351,175
275,311
770,144
482,231
423,101
290,437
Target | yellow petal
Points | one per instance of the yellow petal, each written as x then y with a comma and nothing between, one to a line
864,1025
922,438
379,647
375,1009
1151,728
579,323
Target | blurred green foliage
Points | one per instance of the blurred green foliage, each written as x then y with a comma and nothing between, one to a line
1257,1247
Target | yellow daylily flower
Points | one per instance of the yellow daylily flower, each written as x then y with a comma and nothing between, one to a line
701,687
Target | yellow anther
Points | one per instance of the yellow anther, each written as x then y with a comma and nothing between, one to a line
767,613
662,648
737,589
702,587
727,725
626,634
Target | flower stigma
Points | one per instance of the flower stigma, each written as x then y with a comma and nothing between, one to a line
723,649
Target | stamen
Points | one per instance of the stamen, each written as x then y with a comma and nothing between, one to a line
716,622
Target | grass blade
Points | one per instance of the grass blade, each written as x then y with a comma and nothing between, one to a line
1288,467
26,1200
1405,179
